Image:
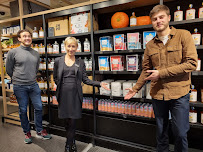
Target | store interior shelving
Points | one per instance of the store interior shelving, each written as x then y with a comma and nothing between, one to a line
99,126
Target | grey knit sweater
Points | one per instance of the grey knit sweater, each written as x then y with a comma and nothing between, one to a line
22,64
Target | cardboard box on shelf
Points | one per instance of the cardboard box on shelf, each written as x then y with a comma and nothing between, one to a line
80,23
87,88
60,25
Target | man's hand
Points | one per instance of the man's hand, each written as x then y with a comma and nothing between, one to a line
153,76
104,85
130,94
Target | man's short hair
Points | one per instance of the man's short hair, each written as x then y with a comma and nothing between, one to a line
21,31
159,8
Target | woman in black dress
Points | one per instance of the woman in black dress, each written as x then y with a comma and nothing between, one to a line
69,73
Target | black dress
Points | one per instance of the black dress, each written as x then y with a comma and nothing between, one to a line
70,105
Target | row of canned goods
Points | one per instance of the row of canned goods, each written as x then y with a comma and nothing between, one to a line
124,107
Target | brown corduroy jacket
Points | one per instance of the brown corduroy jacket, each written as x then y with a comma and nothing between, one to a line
175,61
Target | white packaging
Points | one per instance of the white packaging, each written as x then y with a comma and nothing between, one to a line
116,88
192,117
148,85
126,85
106,92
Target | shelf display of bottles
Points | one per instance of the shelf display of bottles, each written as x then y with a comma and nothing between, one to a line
37,34
193,115
88,64
125,107
12,30
87,103
133,20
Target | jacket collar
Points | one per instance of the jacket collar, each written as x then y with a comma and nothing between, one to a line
171,34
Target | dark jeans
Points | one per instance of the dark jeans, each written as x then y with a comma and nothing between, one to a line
70,125
179,109
22,93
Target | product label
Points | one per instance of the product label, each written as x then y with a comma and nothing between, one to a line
198,65
49,50
43,98
193,96
133,21
55,49
42,50
196,38
201,118
190,14
41,34
193,117
41,85
86,47
178,16
35,35
79,47
63,50
201,12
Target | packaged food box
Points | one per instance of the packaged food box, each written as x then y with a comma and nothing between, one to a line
148,36
119,42
133,41
117,63
103,63
105,43
132,62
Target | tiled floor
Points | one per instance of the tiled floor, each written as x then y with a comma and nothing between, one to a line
12,140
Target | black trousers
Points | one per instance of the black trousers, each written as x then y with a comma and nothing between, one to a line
70,125
179,109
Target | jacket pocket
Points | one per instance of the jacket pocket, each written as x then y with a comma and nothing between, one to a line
174,54
154,57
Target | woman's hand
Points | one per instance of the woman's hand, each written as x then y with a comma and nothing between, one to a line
104,85
130,94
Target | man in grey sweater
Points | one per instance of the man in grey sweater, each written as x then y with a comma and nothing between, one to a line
22,65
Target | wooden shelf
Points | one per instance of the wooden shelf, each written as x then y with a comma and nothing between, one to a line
6,50
65,36
9,90
12,104
9,35
37,39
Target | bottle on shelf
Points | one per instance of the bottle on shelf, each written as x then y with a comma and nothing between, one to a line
35,33
86,45
200,12
49,49
133,20
198,65
41,83
196,37
41,49
178,15
201,117
41,33
86,63
55,48
90,64
40,64
36,47
190,13
193,115
63,49
193,94
44,64
79,46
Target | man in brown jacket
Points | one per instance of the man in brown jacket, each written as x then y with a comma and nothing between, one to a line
169,59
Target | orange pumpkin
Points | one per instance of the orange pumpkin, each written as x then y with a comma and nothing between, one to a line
143,20
119,20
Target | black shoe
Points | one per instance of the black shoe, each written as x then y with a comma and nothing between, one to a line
73,148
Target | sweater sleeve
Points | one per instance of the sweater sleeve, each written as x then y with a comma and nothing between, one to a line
10,61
